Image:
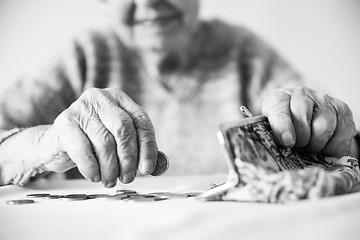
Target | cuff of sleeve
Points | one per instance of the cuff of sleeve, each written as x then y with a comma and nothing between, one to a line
5,135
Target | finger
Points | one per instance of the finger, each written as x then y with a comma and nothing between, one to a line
340,143
121,126
75,143
145,132
276,107
147,144
104,147
323,124
301,107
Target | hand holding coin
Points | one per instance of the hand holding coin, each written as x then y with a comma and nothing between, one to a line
106,135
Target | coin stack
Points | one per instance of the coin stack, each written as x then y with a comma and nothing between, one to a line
125,195
161,167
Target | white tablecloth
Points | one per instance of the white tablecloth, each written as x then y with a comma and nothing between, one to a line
333,218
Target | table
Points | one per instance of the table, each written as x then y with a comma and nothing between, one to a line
331,218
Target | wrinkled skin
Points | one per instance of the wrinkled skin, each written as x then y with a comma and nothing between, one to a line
108,136
105,134
310,120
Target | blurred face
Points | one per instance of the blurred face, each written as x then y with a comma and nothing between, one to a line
157,25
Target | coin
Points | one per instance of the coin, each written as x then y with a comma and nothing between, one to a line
145,195
54,197
139,198
100,195
120,196
125,191
170,195
20,201
74,197
160,198
143,200
112,197
193,194
37,195
162,164
124,194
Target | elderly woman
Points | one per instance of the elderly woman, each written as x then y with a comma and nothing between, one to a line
157,69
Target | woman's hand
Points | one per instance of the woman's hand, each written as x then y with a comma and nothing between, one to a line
310,120
105,134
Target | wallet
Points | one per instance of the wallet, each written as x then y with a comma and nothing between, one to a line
261,170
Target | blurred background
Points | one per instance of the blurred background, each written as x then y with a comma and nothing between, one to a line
320,38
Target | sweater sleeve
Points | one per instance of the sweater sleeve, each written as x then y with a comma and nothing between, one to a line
262,69
38,97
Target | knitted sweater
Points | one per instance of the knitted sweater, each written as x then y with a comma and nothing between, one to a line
232,67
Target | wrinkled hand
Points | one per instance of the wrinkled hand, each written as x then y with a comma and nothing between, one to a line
310,120
106,135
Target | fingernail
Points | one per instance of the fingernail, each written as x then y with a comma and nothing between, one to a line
128,177
147,167
110,185
97,178
288,139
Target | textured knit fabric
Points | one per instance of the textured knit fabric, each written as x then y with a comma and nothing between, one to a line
231,67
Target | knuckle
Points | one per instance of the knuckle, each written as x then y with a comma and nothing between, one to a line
326,98
124,138
283,115
344,115
93,98
84,157
108,145
142,120
278,92
333,104
128,161
89,167
325,128
326,134
278,101
148,141
90,92
343,108
330,102
124,130
113,91
301,90
78,112
67,117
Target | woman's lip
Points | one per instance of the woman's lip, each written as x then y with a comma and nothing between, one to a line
158,19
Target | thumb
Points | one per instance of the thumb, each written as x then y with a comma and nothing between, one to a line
276,107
